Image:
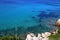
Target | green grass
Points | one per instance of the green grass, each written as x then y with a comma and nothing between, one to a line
52,37
55,37
9,38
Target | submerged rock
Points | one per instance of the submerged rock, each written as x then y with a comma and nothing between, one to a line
48,15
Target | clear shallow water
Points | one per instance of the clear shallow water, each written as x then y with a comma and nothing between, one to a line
15,13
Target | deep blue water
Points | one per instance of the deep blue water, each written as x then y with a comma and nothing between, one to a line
19,12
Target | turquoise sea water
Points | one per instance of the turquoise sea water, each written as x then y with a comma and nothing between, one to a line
13,14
